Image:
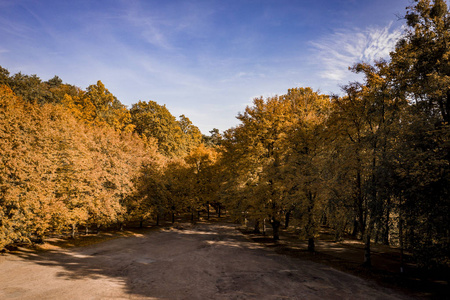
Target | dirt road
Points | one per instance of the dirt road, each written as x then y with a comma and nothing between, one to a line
212,261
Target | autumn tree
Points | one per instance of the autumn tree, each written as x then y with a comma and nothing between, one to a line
202,168
266,153
179,182
18,184
305,172
59,173
255,146
99,107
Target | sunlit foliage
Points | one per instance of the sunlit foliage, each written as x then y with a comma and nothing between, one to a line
373,163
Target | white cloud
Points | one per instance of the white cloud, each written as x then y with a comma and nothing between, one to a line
343,48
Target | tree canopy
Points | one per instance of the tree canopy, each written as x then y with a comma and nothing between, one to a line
373,163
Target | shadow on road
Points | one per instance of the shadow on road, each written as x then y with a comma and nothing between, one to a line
202,261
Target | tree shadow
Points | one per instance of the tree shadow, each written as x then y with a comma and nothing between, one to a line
203,261
347,255
145,263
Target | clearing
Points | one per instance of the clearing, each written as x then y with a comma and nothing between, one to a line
205,261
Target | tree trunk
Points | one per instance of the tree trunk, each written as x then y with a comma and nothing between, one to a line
377,234
74,228
218,210
286,221
39,238
311,245
385,237
276,229
355,228
367,254
141,224
157,220
245,220
257,230
400,236
361,212
324,220
173,217
207,210
338,234
310,227
264,226
87,230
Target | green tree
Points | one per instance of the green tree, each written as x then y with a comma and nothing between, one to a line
150,197
155,121
421,70
191,137
4,77
30,88
366,123
421,58
214,139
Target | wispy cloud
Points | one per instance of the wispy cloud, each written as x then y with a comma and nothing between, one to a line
148,27
14,28
345,47
163,26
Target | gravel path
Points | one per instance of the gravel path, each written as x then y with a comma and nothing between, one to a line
201,262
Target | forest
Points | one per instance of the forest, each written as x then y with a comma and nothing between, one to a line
372,162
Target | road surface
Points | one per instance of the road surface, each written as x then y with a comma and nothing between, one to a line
206,261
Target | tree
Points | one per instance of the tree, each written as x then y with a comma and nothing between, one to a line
18,188
29,179
368,121
191,137
150,196
267,158
33,89
422,58
305,171
201,165
97,106
259,137
214,139
58,173
421,70
4,77
30,88
155,121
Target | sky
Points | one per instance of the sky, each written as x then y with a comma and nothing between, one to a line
206,59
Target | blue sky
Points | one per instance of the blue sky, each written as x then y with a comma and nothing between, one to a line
204,59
